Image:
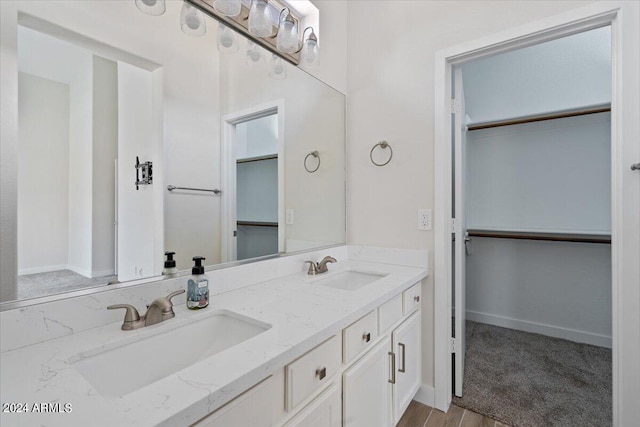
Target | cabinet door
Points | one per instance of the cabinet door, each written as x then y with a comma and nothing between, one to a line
366,389
324,411
407,348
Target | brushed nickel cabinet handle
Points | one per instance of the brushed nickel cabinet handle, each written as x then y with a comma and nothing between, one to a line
321,373
416,298
366,337
402,358
393,367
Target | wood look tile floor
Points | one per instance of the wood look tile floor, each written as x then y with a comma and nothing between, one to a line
419,415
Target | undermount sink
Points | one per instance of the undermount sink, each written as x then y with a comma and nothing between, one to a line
349,280
128,367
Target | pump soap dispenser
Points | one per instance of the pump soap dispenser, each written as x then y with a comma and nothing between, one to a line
170,268
198,286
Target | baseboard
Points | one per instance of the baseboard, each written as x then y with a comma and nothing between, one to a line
80,271
45,269
540,328
426,395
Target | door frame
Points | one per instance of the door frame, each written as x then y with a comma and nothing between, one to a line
625,228
228,217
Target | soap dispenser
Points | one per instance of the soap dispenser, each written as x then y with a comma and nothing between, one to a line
170,268
198,286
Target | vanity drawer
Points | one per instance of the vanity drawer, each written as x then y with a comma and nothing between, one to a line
359,335
312,371
389,313
260,406
411,298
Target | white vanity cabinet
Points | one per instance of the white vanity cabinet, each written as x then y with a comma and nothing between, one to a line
406,349
324,411
364,378
366,389
379,386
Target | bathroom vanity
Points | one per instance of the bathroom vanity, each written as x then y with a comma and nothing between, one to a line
275,347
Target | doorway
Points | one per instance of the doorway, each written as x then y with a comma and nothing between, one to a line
253,200
625,188
533,198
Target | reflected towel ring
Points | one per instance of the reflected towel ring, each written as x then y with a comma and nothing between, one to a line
317,156
382,144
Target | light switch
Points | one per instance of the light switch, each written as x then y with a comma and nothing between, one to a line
289,217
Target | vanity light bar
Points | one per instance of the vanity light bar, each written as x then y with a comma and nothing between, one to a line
241,24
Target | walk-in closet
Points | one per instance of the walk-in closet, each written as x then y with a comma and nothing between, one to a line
534,164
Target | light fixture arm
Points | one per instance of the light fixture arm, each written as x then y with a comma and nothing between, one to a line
280,20
310,36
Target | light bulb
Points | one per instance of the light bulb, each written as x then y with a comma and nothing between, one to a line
253,54
287,40
228,7
310,55
278,68
226,39
192,21
260,23
151,7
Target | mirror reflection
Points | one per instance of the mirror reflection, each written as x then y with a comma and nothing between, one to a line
137,136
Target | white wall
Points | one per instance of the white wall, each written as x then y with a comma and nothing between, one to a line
257,137
257,191
390,96
563,74
80,167
561,289
137,219
43,180
105,151
544,176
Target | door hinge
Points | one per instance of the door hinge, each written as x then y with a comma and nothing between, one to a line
453,345
455,106
453,225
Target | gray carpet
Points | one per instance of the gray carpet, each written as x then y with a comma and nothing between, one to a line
531,380
55,282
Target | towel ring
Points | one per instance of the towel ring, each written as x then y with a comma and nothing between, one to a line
317,156
382,144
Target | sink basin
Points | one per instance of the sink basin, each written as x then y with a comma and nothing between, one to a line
349,280
128,367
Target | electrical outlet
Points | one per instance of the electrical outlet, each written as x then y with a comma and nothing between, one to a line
424,219
289,217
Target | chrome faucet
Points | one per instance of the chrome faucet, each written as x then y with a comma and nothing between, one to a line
319,267
159,310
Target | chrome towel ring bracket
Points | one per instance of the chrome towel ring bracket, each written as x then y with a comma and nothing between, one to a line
312,154
384,145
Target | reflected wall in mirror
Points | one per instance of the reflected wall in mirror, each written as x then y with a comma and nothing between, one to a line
102,86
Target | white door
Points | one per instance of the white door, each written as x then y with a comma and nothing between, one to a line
407,348
460,240
367,390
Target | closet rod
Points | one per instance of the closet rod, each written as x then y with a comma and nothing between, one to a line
542,117
553,237
258,223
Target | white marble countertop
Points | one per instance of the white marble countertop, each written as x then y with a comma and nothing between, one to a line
301,314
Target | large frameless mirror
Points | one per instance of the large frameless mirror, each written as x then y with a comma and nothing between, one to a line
140,134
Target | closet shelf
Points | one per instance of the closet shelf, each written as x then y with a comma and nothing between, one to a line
257,159
602,108
554,237
258,223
